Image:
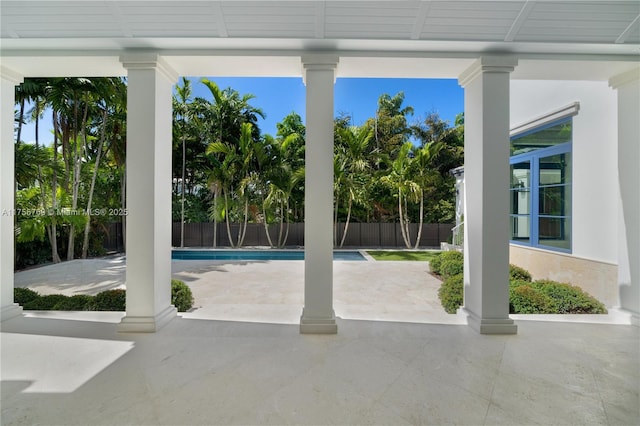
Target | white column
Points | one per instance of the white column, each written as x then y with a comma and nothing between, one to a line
149,90
486,174
628,87
318,315
10,80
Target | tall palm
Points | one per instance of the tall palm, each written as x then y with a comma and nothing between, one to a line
104,98
181,113
351,161
390,123
235,179
71,100
279,179
424,174
401,181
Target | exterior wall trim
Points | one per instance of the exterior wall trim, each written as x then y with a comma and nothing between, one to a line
570,110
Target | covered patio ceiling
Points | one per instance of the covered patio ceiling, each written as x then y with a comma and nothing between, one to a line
429,39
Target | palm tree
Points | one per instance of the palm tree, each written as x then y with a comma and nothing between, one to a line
400,180
390,123
279,178
423,175
229,113
235,177
351,160
105,98
181,114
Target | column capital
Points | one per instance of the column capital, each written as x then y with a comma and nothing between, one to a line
10,75
319,62
487,64
145,60
617,81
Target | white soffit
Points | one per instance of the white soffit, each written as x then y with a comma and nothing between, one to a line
553,39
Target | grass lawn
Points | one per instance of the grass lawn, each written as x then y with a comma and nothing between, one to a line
402,255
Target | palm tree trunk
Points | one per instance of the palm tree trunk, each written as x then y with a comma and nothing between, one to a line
215,219
266,224
123,203
244,226
286,235
77,162
182,191
55,257
226,216
87,226
421,220
335,222
346,225
401,214
43,196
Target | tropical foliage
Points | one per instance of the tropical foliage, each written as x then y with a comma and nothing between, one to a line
225,169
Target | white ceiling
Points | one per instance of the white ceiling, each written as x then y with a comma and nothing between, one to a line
374,38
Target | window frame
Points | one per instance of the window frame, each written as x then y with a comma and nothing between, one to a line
533,158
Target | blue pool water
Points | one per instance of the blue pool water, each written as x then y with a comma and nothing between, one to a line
256,255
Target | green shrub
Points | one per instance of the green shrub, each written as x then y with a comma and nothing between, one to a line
45,303
569,299
181,296
449,263
111,300
451,267
518,273
523,299
451,293
24,295
78,302
434,264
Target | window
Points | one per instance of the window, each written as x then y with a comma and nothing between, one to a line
540,189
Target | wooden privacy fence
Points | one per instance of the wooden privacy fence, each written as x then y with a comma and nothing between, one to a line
359,235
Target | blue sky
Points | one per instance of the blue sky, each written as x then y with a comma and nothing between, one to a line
357,97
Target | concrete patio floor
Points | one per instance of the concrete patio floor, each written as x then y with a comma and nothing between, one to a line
205,367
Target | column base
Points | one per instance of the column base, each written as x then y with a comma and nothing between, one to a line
10,311
625,315
318,325
489,325
131,324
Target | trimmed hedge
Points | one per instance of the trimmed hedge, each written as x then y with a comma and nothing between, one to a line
23,296
569,299
517,273
451,293
523,299
447,263
181,296
525,296
110,300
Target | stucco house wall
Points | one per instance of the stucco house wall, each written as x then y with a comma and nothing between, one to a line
595,196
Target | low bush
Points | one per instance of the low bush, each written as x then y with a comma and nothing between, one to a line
451,293
447,263
568,299
24,295
78,302
523,299
517,273
45,303
434,264
451,267
111,300
525,296
181,296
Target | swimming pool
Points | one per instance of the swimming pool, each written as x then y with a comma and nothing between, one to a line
257,255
